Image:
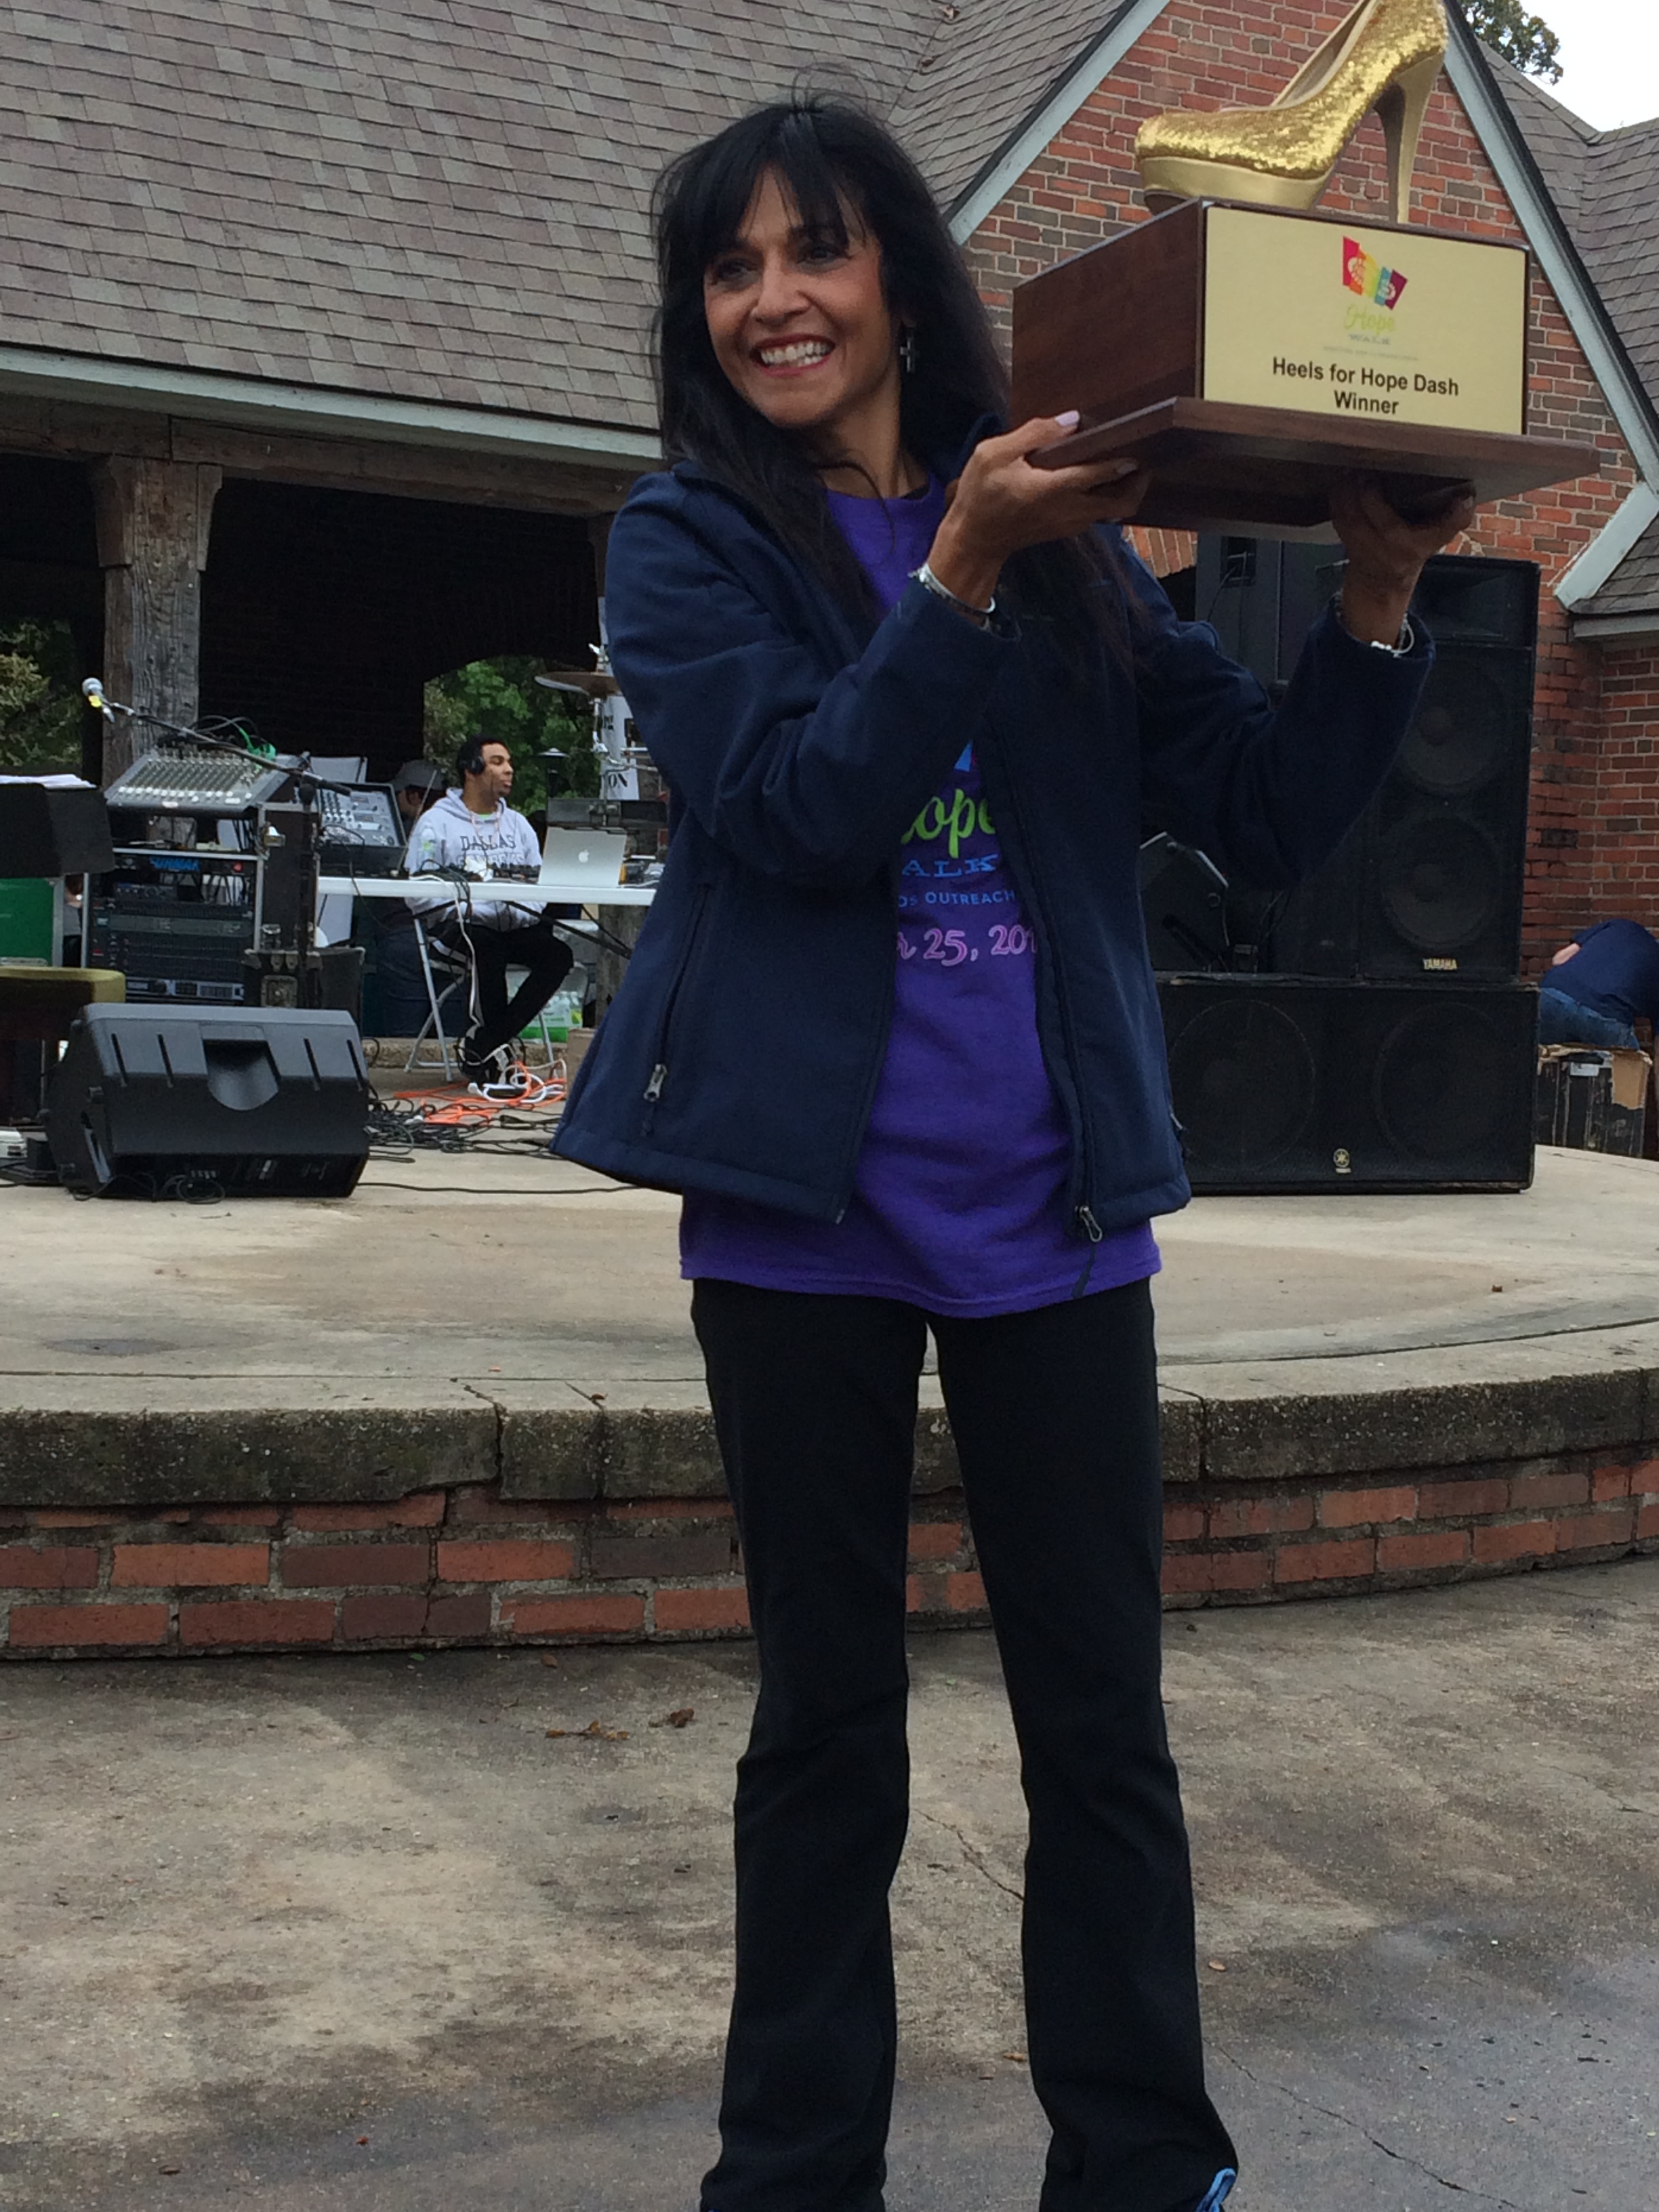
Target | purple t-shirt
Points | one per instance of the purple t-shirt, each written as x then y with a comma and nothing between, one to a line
960,1197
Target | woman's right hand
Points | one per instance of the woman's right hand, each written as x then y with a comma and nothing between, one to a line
1000,503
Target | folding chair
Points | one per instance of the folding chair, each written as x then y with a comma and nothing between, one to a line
434,959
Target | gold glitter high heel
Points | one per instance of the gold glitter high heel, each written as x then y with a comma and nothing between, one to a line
1386,55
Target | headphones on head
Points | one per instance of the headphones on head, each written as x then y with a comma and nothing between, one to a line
468,755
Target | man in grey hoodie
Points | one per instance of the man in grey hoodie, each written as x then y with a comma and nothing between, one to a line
472,831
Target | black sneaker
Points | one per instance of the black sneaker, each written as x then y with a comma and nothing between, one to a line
476,1064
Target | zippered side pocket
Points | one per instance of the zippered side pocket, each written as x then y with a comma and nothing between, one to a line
662,1057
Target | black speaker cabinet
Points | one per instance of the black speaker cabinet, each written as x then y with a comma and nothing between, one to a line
160,1102
1183,899
53,830
1280,1084
1428,881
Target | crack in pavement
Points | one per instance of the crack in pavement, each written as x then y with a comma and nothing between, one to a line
1342,2120
974,1856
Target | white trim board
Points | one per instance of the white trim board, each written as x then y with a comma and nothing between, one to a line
1583,578
27,372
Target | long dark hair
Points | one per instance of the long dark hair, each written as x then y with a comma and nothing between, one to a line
830,157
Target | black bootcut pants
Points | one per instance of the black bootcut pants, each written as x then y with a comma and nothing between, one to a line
1054,1415
536,948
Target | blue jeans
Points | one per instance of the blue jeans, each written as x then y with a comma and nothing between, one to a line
1564,1020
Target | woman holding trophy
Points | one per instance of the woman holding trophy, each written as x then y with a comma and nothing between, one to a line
891,1029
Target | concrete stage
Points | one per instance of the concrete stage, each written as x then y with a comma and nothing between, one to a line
279,1422
446,1270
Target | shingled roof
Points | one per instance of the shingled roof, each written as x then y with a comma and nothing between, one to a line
437,202
1605,185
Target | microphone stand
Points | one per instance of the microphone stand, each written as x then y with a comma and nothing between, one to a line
298,769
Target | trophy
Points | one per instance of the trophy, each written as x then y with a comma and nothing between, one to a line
1247,351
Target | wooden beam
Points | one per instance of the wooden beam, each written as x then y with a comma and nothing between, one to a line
406,471
153,520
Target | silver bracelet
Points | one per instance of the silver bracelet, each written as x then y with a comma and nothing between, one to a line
1404,644
930,582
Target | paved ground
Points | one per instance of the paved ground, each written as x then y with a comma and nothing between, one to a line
356,1934
519,1266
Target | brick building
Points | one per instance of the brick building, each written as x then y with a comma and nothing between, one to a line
323,333
1499,159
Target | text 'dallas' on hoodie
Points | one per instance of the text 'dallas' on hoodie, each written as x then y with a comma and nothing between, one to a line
450,836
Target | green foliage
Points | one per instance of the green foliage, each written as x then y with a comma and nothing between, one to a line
502,700
1526,40
41,705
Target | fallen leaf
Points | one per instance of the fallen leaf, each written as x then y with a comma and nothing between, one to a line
681,1717
593,1729
170,2169
548,1660
1215,1966
362,2140
1016,2058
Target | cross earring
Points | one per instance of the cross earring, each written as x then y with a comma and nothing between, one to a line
906,352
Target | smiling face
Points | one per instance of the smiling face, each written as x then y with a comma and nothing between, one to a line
802,329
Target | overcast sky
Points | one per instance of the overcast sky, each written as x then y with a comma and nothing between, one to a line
1610,58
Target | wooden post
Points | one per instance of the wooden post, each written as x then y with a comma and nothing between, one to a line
153,520
623,924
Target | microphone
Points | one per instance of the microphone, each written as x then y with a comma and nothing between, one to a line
92,692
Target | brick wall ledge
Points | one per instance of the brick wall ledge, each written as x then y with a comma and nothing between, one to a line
185,1515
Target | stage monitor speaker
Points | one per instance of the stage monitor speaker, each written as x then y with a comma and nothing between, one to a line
1281,1084
1183,898
1428,881
53,830
160,1101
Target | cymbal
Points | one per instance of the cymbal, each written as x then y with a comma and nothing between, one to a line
595,684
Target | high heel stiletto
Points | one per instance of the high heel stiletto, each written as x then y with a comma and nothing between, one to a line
1386,55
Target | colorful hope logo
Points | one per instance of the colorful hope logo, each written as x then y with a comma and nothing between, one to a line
1370,279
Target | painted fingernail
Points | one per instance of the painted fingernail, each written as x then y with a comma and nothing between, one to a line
1069,420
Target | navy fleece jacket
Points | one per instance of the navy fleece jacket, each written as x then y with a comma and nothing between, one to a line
743,1051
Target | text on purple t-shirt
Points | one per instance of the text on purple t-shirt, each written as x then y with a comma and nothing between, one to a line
960,1195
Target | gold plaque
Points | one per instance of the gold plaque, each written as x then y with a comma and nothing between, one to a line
1246,358
1370,324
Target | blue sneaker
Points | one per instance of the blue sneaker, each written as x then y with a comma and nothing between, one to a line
1218,2191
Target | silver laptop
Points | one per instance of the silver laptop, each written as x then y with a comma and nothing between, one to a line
590,859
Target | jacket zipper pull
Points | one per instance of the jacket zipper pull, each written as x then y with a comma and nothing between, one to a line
1085,1221
659,1076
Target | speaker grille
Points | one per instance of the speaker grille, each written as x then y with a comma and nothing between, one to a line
1440,882
1443,1084
1464,728
1282,1084
1242,1078
1430,878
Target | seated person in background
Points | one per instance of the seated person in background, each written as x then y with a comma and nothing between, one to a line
1600,986
472,831
414,787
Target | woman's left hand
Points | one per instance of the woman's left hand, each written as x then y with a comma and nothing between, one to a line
1386,552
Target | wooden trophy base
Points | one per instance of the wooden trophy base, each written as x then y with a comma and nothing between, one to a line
1248,357
1219,467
